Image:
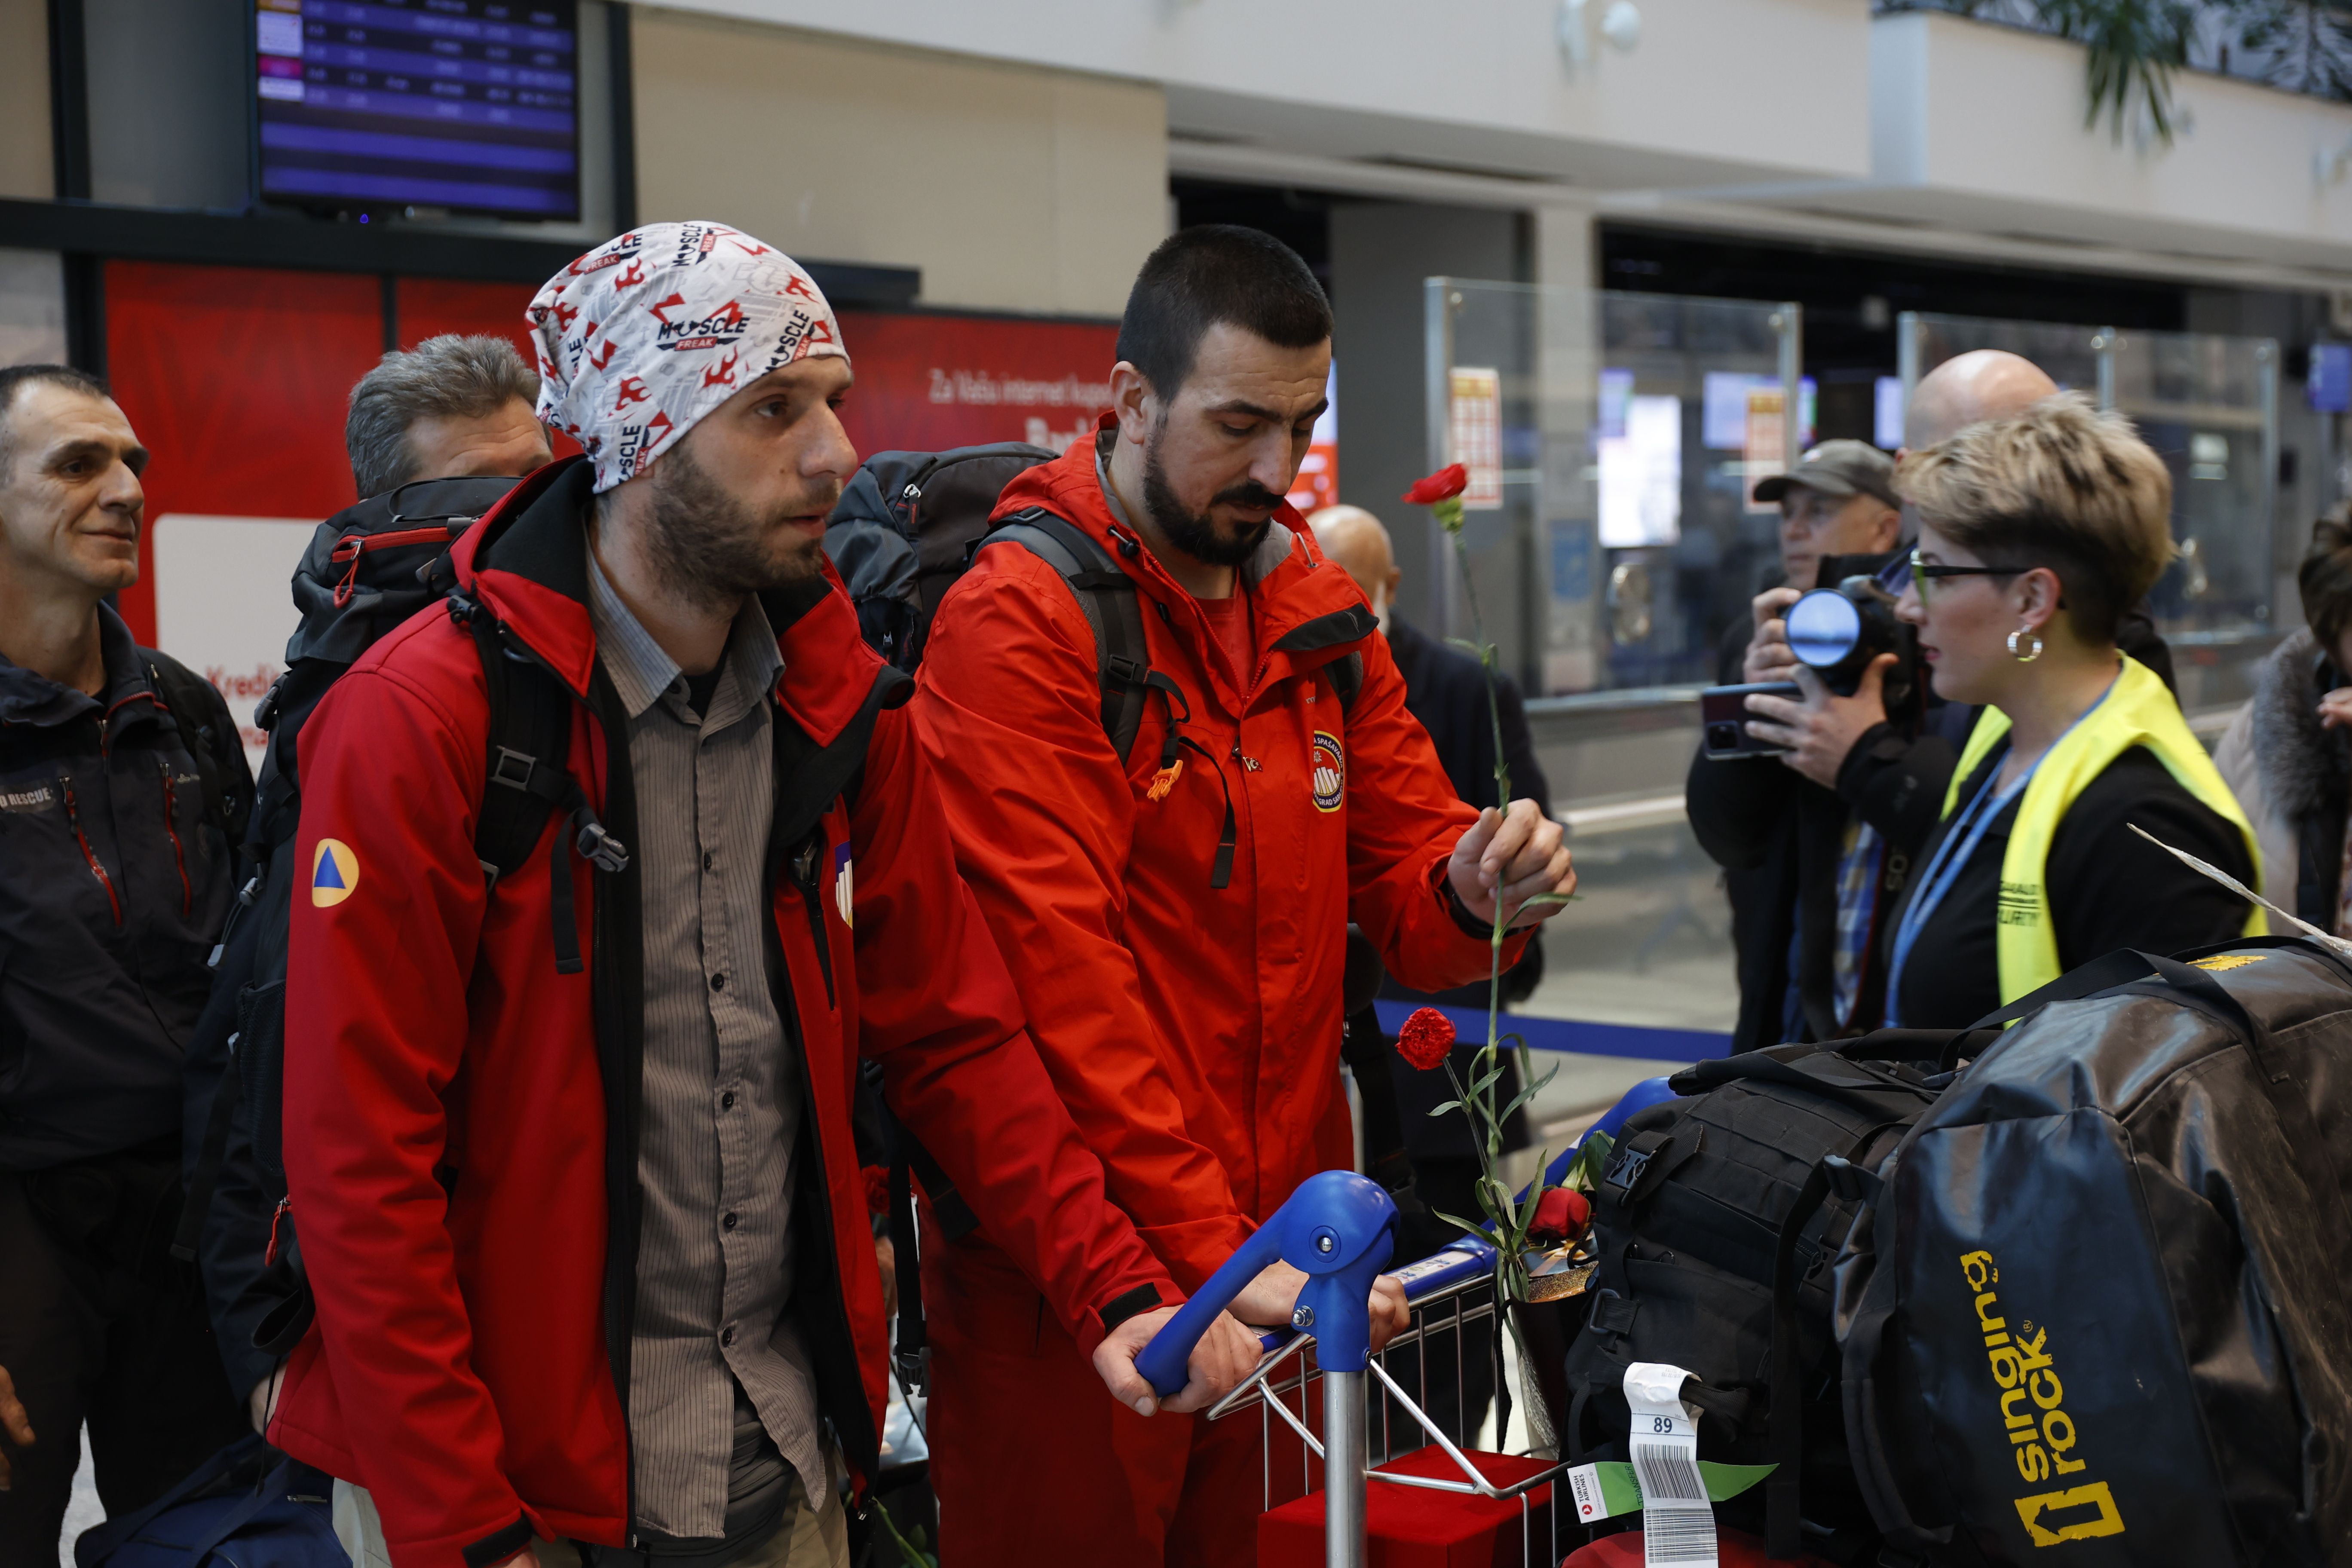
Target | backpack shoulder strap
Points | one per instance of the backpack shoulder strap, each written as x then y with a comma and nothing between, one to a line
528,777
1346,679
1113,608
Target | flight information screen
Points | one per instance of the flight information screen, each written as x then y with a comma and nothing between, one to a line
466,104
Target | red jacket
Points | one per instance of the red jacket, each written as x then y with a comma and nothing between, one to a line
1193,1031
456,1150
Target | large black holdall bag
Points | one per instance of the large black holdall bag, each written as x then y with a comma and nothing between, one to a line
1717,1233
2097,1308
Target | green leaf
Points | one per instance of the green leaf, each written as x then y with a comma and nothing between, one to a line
1535,1192
1592,1158
1478,1230
1449,1105
1550,901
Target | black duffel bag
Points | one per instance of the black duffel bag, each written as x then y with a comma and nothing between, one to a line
2097,1300
1716,1232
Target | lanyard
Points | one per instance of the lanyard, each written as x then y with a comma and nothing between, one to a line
1944,870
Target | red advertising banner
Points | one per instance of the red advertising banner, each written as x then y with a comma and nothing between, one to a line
927,382
237,378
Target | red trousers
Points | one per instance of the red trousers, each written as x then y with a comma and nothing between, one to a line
1037,1467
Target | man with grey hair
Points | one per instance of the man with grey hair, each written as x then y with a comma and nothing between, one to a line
451,408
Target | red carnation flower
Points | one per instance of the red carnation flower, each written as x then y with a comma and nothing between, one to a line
1426,1038
1444,485
1561,1214
878,1189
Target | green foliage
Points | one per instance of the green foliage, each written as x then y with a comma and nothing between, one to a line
1592,1158
2302,46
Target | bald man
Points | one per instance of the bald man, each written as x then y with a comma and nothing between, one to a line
1443,688
1969,389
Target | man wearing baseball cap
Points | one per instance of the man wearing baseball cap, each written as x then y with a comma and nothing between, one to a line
1788,845
1839,500
570,1146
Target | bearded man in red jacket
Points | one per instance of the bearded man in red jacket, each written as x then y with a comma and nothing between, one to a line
1176,920
569,1147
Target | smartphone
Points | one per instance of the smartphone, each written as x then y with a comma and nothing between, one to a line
1723,719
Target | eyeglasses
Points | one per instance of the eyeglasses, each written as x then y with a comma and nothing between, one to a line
1921,573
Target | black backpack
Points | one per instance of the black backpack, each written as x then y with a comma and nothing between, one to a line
2098,1297
367,570
1716,1230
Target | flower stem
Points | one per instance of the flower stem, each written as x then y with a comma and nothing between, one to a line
1510,1235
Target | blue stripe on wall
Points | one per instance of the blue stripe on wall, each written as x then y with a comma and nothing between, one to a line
1574,1035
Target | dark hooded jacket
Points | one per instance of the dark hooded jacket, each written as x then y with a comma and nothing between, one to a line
114,880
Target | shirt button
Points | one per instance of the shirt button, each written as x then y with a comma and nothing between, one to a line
727,1101
728,1337
719,983
728,1222
708,860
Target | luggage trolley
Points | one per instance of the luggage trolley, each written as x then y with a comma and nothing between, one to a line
1337,1229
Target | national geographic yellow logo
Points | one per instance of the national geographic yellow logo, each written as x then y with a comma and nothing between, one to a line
2221,962
334,873
2041,1435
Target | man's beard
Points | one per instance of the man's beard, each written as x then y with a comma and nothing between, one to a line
709,548
1196,535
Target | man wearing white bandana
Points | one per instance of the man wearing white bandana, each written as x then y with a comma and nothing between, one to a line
578,1195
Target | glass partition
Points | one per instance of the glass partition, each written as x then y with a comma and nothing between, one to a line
2209,405
1612,441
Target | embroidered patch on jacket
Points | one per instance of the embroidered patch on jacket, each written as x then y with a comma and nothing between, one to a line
841,881
28,799
334,873
1330,776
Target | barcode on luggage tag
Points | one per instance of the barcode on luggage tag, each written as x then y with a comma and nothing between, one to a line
1667,1475
1677,1537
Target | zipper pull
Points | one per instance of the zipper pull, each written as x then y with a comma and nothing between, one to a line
270,1255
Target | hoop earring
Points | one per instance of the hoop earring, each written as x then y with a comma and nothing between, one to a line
2024,657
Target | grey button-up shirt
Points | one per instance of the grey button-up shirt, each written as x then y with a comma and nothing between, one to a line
721,1110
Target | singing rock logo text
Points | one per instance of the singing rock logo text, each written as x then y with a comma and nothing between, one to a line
2041,1435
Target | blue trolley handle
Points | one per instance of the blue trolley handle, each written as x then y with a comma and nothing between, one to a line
1339,1229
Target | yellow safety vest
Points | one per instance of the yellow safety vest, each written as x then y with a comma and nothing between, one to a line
2137,711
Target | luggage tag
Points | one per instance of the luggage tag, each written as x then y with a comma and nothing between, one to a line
1607,1488
1677,1519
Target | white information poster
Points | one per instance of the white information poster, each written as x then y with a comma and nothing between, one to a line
1765,449
222,602
1476,405
1642,476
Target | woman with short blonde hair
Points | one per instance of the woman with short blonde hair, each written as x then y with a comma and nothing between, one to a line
2036,534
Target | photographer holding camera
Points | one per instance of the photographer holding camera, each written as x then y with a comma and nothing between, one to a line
1799,865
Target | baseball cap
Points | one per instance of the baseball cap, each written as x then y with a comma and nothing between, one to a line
1837,469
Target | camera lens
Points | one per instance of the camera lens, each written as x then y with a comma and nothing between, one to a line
1824,627
1723,737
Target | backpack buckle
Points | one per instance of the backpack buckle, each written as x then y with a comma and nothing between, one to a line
1624,1172
514,769
600,848
914,1369
1128,671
